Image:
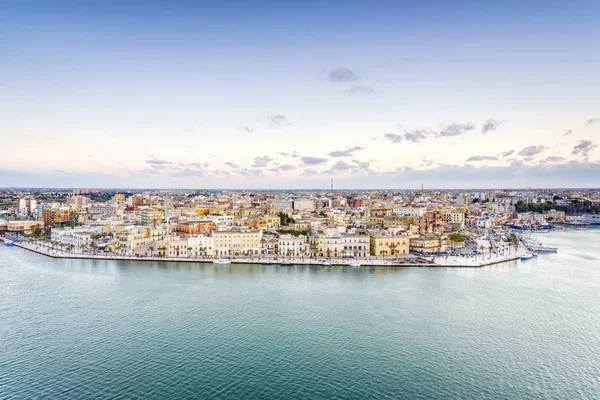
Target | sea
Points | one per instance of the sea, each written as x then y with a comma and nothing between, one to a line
96,329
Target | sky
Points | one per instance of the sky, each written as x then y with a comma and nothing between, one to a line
283,94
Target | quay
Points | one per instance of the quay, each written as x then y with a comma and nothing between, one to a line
411,261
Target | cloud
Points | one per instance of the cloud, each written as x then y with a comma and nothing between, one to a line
361,89
414,136
250,172
507,153
417,135
482,158
551,160
232,164
262,161
342,74
532,151
490,125
426,163
313,160
188,173
340,166
567,133
283,168
592,121
568,174
364,165
278,120
393,137
158,163
583,148
293,154
194,165
310,172
246,128
456,129
345,153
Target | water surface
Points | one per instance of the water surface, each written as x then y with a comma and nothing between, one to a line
87,329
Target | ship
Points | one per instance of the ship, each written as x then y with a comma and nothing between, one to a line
592,219
543,248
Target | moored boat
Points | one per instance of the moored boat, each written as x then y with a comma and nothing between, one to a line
222,261
8,242
526,256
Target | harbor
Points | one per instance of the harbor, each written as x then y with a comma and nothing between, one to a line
473,261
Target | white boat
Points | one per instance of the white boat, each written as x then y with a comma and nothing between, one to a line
8,242
326,263
592,219
526,256
222,261
544,248
355,264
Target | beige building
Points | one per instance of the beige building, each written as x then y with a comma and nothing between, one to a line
429,244
454,219
237,242
388,245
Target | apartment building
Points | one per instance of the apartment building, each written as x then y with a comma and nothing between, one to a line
150,216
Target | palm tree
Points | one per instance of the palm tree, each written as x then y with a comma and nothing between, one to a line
151,249
189,250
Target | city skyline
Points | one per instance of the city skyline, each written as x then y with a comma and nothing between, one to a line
389,95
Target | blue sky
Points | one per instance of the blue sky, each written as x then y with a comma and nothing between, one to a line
292,94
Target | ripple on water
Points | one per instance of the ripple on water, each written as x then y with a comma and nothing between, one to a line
81,329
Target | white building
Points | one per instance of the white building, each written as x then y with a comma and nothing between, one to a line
201,245
290,245
81,236
355,245
27,207
409,211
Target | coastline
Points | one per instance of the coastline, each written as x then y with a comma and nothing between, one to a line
434,262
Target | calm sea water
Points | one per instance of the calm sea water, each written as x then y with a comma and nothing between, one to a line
131,330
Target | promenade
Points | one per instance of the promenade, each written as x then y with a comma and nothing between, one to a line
412,260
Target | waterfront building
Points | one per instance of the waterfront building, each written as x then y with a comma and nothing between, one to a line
289,245
24,227
429,244
131,239
237,242
80,236
382,244
355,245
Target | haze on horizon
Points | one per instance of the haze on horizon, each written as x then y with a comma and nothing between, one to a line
461,94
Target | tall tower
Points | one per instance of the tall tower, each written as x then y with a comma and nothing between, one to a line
331,189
